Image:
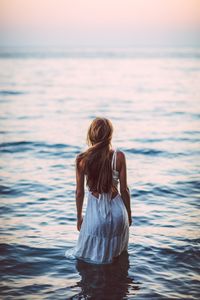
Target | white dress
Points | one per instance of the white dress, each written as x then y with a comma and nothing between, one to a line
104,232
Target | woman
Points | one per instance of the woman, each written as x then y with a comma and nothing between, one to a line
104,230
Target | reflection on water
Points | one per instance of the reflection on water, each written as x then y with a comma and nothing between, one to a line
110,281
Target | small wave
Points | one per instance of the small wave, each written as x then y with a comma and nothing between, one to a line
185,254
37,144
23,187
13,147
139,193
151,152
194,183
165,190
163,140
191,132
6,210
161,190
148,151
11,191
148,140
155,152
25,260
39,147
184,114
188,187
69,253
11,92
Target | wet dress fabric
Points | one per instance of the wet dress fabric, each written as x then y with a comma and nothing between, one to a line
104,232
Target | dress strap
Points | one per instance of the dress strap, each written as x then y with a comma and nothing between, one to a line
114,159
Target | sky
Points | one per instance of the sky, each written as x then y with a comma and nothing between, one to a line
102,20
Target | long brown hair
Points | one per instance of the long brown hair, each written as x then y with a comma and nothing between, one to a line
96,160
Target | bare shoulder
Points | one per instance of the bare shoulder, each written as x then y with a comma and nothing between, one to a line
121,159
79,162
121,155
78,156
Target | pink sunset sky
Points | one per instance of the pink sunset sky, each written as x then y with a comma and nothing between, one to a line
92,18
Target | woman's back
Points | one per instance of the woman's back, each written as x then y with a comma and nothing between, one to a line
115,164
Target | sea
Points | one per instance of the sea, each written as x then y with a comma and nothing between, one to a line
48,98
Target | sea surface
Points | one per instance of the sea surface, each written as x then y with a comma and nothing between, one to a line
48,98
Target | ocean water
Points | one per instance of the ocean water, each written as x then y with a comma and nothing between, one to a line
47,100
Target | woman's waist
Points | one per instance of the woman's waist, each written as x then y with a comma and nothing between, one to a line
97,194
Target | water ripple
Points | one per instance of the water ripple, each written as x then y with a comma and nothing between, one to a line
45,114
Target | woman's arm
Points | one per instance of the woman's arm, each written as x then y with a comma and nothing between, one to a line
124,190
79,193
